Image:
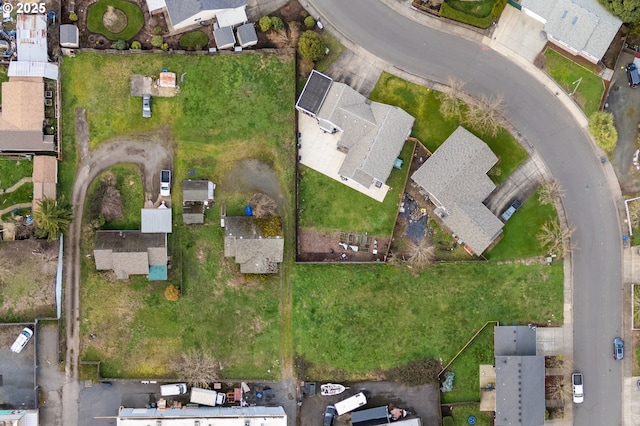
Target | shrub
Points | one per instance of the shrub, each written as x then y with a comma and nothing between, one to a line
311,45
276,23
156,41
73,17
309,22
603,130
165,46
265,24
498,7
171,293
447,11
119,45
194,39
157,30
136,45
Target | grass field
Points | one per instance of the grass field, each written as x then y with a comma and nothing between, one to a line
587,87
329,205
432,129
11,171
134,19
194,39
214,126
363,318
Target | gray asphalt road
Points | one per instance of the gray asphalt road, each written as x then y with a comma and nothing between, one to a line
565,148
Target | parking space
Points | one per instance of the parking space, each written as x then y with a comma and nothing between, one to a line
17,371
420,401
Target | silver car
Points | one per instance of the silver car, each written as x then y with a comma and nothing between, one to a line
146,106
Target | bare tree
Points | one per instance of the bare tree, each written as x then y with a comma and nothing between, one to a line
421,253
450,103
550,192
634,213
556,239
558,388
197,368
486,114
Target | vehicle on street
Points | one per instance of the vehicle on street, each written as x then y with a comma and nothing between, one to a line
618,349
350,404
165,183
329,415
633,76
511,210
22,340
578,388
173,389
146,106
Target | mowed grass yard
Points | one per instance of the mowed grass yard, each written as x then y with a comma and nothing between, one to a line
360,319
230,107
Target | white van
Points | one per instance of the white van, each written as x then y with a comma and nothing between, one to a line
351,403
173,389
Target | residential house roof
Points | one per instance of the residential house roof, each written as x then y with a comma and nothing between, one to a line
193,212
246,241
373,134
232,17
129,252
314,92
224,37
31,38
156,220
33,69
520,391
181,10
197,190
154,5
45,178
584,25
22,104
514,340
247,35
455,178
69,36
221,416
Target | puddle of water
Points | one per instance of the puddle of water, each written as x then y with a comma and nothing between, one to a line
251,176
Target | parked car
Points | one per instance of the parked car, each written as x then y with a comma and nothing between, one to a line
22,340
146,106
165,183
578,388
511,210
618,349
329,415
633,76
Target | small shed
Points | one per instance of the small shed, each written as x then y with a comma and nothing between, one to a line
69,36
247,36
167,79
224,37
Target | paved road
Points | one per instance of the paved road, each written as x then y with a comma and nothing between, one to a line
567,151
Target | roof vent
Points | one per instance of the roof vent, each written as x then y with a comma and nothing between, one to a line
564,14
574,20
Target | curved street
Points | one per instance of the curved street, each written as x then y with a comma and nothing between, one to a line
535,110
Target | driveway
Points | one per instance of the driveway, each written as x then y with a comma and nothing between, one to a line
50,373
536,107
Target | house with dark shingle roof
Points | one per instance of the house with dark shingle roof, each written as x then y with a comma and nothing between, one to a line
520,374
583,27
182,15
256,243
455,177
371,134
197,195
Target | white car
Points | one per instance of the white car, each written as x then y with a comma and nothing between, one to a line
165,183
22,340
578,388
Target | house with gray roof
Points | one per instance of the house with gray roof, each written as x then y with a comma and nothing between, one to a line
256,243
583,27
520,375
455,177
371,134
182,15
197,196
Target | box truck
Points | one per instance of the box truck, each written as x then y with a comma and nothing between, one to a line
351,403
207,397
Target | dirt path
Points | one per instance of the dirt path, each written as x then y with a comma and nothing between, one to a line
151,152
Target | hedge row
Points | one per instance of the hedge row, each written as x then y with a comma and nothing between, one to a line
447,11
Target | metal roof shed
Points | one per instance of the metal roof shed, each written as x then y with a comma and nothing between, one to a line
32,38
224,37
69,36
247,36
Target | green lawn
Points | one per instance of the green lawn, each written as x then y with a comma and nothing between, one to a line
3,77
359,319
11,171
432,129
587,87
214,126
476,8
335,50
134,19
461,414
519,238
328,205
194,39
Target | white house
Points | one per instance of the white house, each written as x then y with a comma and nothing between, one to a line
182,15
